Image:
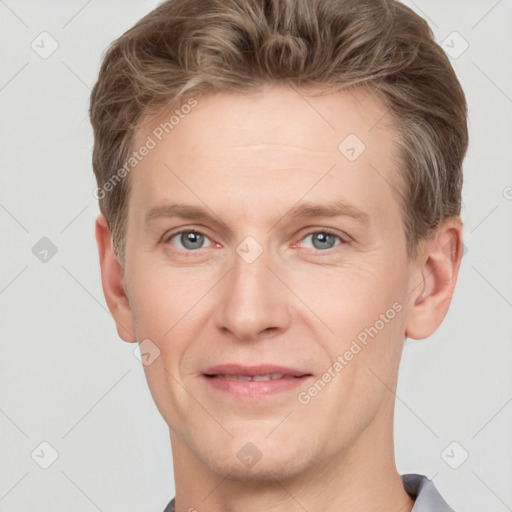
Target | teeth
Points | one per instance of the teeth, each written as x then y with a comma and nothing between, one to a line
270,376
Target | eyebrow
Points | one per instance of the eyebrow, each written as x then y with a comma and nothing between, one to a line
301,211
330,209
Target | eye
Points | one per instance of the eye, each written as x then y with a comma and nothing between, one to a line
321,240
189,240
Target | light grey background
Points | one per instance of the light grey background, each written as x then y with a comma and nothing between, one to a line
68,380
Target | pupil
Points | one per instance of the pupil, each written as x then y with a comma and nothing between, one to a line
325,240
191,240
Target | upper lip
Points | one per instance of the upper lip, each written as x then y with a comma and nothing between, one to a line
261,369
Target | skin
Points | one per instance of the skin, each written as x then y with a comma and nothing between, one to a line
248,160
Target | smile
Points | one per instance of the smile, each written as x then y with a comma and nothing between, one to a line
253,382
272,376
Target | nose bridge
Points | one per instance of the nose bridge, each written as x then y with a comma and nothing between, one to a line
252,300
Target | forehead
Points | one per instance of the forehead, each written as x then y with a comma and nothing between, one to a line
276,114
271,145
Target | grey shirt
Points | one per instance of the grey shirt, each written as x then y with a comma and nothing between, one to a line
418,487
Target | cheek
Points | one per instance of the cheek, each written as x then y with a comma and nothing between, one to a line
348,296
363,313
162,298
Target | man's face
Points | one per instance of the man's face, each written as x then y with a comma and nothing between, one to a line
265,281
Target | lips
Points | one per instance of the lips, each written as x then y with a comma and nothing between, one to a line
269,376
253,382
260,372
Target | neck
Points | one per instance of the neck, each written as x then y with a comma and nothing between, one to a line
361,478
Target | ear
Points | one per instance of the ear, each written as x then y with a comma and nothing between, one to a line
112,279
435,271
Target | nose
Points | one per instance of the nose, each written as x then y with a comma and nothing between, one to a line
254,302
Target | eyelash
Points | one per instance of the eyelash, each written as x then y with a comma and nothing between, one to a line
167,239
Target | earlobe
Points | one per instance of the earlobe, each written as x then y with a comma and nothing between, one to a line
433,283
112,279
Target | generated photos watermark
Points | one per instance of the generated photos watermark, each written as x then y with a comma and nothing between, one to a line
357,345
157,135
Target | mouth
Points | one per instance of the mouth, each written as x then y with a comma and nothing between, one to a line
257,378
254,382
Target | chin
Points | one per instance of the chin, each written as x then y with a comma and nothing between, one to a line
260,473
270,467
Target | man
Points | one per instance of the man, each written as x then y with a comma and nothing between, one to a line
280,192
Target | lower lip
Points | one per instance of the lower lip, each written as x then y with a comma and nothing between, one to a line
255,389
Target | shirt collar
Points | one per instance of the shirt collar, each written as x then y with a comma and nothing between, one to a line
425,494
418,487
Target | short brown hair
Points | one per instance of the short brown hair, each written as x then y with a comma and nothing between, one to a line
187,47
